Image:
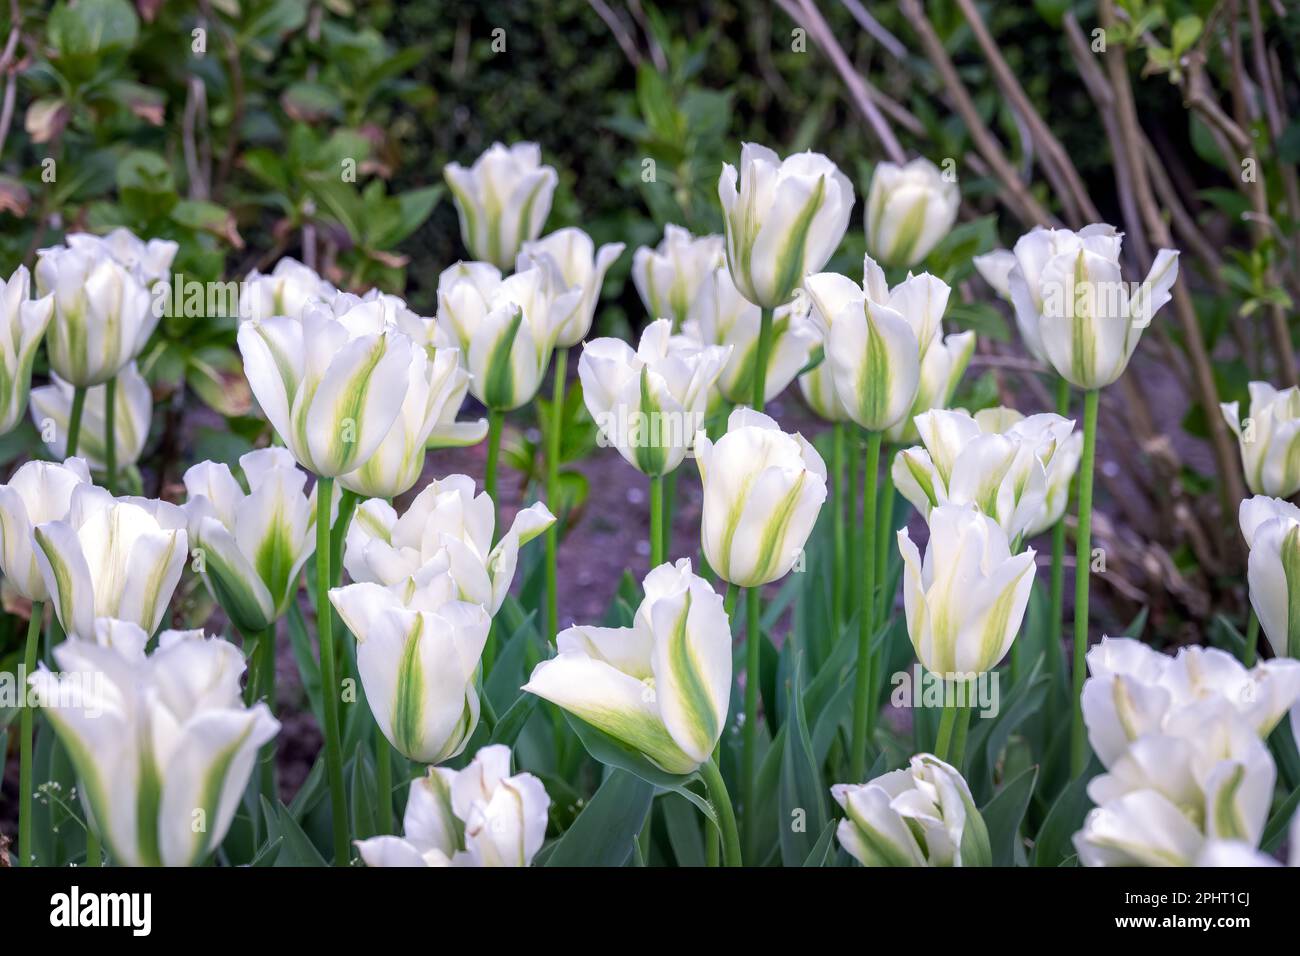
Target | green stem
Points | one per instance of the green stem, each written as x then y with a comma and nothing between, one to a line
496,418
760,364
266,691
853,595
94,855
656,521
670,495
348,501
384,780
943,743
553,493
1082,566
837,530
25,743
749,735
884,535
862,692
721,801
959,735
729,600
110,435
1056,629
329,681
74,420
1248,657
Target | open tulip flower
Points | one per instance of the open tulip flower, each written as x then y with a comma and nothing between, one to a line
111,557
649,403
385,549
162,744
479,816
51,410
38,492
763,490
669,277
1271,528
150,261
995,269
784,219
662,686
1269,439
23,321
579,264
502,200
910,208
286,290
921,816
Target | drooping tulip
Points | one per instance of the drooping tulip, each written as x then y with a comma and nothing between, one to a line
669,277
1271,528
910,208
1269,439
286,290
39,491
502,200
163,745
580,264
784,219
662,686
650,403
51,410
479,816
23,321
763,490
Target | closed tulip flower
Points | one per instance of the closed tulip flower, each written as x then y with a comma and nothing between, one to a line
23,321
921,816
502,200
385,549
150,261
910,208
1073,307
650,403
669,277
784,219
720,315
286,290
331,385
163,745
39,491
111,557
1269,439
580,264
965,602
662,686
763,490
817,386
479,816
52,408
1271,528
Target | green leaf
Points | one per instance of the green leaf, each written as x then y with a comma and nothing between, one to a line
296,848
1004,814
365,799
821,850
802,797
510,724
684,835
605,831
1054,843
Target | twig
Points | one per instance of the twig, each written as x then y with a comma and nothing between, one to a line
621,34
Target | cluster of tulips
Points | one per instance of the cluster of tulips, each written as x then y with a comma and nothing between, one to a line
167,733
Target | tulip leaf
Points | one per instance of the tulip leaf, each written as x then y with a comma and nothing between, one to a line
1004,814
1053,844
988,736
305,657
1285,754
802,798
297,848
605,832
822,849
684,834
365,800
1275,830
510,724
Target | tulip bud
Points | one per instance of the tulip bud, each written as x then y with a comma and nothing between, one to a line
910,209
965,603
479,816
502,200
669,277
817,386
287,290
662,686
163,745
133,404
650,403
150,262
763,490
720,315
921,816
783,219
572,253
253,544
1271,528
331,385
23,321
1269,439
446,516
38,492
1072,306
111,557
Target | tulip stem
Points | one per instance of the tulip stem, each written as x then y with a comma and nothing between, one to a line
94,856
553,492
348,501
837,530
943,743
1252,639
266,691
110,436
384,780
1082,570
853,531
329,681
760,363
749,739
1057,629
721,801
74,420
885,601
25,743
862,692
496,417
656,521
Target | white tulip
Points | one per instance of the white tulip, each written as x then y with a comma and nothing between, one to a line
331,385
286,290
1271,528
995,268
1269,439
921,816
650,403
784,219
160,743
1073,307
150,261
763,490
580,264
669,277
662,686
23,321
51,410
446,515
817,386
966,601
38,492
910,208
479,816
502,200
